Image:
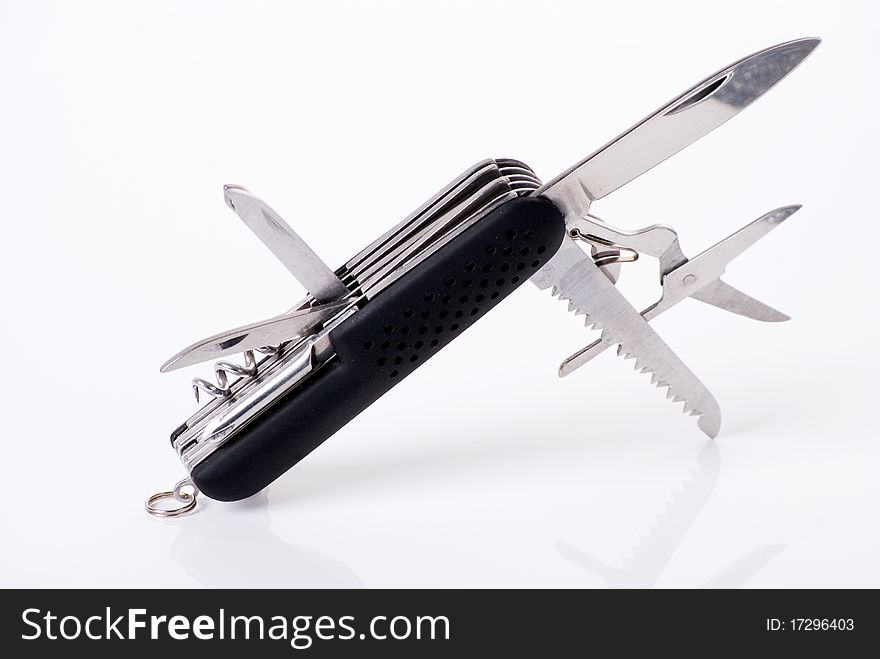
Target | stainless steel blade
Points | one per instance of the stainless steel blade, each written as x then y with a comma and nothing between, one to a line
724,296
700,278
256,335
575,278
285,244
677,124
711,263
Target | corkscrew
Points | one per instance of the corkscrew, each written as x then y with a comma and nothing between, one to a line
222,369
365,326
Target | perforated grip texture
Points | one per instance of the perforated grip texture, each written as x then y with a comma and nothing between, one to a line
391,336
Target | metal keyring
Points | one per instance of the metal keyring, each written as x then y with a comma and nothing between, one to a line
617,253
177,494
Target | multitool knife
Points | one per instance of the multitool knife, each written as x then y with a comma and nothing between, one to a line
365,326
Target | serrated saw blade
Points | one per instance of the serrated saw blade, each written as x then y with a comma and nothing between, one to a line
573,277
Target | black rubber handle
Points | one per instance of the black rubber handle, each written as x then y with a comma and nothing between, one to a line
390,337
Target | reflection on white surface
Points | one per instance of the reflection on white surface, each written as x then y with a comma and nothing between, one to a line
643,567
236,549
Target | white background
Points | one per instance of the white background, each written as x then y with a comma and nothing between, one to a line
120,122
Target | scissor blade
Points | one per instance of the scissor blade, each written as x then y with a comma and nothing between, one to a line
255,335
710,264
677,124
724,296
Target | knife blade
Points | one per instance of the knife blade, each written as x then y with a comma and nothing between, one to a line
682,121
